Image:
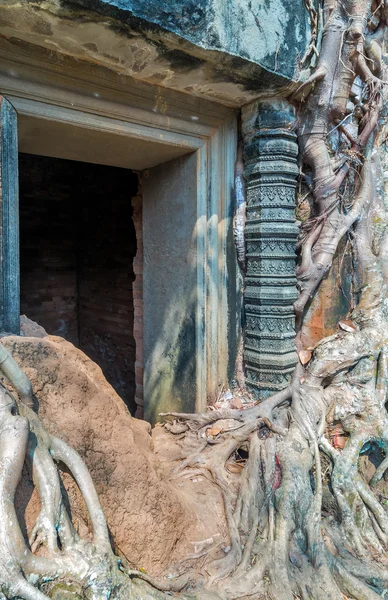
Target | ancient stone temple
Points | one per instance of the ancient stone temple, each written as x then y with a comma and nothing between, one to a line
120,123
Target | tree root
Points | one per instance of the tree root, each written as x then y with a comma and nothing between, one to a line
92,564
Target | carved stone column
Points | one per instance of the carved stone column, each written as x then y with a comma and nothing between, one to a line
9,220
270,155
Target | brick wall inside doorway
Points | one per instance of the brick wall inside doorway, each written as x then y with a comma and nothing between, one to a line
81,262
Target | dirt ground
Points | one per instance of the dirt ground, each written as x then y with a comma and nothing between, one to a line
154,520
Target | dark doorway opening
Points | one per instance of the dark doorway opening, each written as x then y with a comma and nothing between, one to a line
77,244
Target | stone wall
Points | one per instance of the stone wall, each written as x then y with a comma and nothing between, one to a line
9,214
137,290
333,303
230,52
171,323
77,247
273,34
48,246
106,247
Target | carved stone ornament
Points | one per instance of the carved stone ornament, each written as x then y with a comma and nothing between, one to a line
271,171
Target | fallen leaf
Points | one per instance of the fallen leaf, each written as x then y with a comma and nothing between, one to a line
347,325
305,356
237,403
234,467
213,431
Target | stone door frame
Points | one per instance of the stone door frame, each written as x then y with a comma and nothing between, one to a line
61,92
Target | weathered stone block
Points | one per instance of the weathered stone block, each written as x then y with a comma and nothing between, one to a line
271,172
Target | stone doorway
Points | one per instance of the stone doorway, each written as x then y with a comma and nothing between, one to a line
185,150
77,246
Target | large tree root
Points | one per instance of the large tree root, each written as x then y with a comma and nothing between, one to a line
343,58
282,545
89,563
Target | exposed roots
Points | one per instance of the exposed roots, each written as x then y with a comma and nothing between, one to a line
284,541
92,564
328,148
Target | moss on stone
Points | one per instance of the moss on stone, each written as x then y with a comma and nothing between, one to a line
66,591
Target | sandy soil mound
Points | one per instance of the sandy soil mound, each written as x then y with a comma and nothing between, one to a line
153,522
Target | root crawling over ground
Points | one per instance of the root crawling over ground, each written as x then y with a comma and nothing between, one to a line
23,436
55,538
304,519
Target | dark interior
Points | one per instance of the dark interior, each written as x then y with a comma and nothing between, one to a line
77,244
